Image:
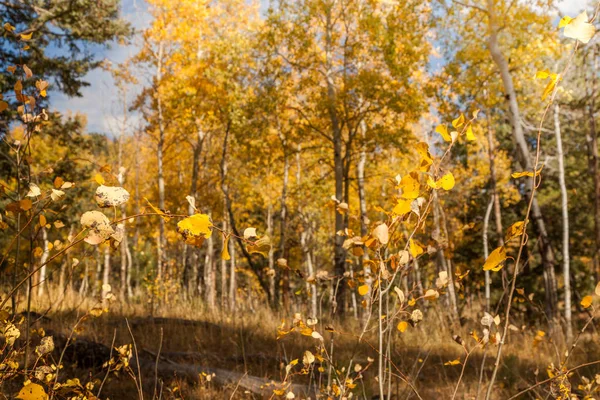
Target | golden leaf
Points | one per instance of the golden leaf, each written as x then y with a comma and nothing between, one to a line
446,181
495,260
225,253
414,248
458,122
443,131
453,362
32,391
363,290
586,302
515,230
262,246
402,326
195,229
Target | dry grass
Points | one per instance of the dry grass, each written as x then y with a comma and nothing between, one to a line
245,343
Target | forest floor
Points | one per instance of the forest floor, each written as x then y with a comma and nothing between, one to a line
194,354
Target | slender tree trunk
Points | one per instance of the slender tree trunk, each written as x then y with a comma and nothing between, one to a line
97,278
446,264
592,139
209,272
364,220
136,233
106,273
338,162
565,221
524,158
159,154
43,259
232,277
271,257
83,288
488,280
224,263
283,221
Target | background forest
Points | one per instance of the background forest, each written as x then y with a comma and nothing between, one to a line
301,199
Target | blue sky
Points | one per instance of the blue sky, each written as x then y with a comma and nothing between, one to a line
100,101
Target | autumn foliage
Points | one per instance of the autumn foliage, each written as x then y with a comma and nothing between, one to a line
371,198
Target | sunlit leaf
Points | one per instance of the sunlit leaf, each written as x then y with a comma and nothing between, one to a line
579,28
111,196
402,326
453,362
262,246
225,252
34,190
195,229
414,249
32,391
250,233
564,21
99,227
446,181
458,122
410,186
514,230
363,290
381,233
586,302
495,260
443,131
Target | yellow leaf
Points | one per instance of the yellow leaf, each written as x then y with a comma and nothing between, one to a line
443,131
586,301
521,174
515,230
157,210
32,391
414,248
566,20
261,246
470,136
9,27
99,179
363,290
446,181
402,326
26,36
453,362
580,29
403,207
195,229
426,160
431,183
495,260
410,187
458,122
545,74
225,253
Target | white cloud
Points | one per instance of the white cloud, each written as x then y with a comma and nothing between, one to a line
100,101
572,7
